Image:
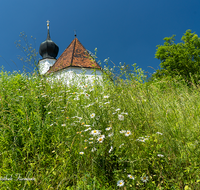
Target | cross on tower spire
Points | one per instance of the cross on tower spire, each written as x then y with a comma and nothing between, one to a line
75,33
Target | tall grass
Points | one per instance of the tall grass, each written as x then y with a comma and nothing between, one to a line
54,136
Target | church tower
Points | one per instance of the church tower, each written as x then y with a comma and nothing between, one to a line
49,51
75,64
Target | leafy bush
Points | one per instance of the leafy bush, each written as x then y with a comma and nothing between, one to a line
181,59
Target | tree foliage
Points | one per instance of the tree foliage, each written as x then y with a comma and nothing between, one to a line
181,59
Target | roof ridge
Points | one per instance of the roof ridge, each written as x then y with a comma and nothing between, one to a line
73,52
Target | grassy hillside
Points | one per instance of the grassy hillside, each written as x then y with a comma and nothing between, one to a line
126,136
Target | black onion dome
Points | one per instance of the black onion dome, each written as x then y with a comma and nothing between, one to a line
48,49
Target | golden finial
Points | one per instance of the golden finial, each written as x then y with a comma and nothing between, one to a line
48,24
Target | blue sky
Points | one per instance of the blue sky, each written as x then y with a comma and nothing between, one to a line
125,31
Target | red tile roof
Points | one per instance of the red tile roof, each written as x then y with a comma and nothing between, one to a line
75,55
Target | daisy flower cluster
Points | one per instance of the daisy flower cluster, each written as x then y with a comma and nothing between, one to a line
143,139
97,135
91,133
127,133
144,179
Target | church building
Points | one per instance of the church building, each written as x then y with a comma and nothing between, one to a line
75,63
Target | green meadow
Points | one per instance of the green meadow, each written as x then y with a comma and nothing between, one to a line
125,135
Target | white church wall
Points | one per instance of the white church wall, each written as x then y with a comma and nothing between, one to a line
78,76
45,64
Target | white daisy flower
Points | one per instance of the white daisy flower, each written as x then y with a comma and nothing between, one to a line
108,128
121,117
63,125
130,176
49,112
102,136
141,139
128,133
107,103
160,155
124,113
90,139
95,132
87,95
81,153
118,109
87,125
110,135
111,148
121,145
144,178
93,149
92,115
87,129
100,139
120,183
122,131
90,142
106,97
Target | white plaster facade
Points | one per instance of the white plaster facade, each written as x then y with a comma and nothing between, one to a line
78,76
45,64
